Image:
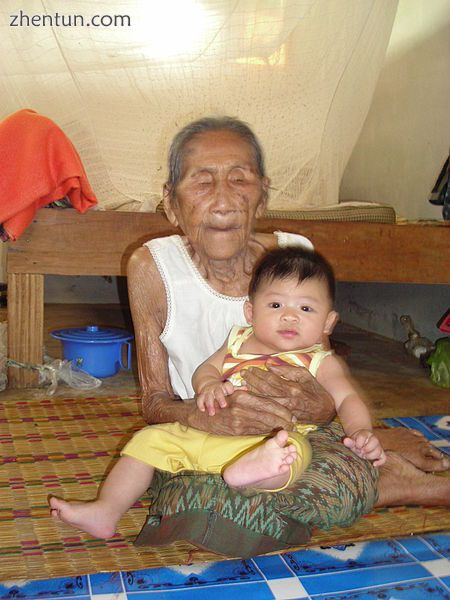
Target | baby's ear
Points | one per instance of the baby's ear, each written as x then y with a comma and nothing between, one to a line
331,322
248,312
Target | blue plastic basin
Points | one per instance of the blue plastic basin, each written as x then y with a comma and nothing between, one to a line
96,350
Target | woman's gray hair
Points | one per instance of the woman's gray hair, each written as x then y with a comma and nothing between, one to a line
185,135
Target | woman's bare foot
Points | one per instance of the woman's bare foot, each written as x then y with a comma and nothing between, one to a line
95,518
413,446
402,483
267,466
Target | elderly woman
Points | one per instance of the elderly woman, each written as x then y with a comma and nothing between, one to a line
186,293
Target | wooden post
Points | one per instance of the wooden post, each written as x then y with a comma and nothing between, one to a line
25,326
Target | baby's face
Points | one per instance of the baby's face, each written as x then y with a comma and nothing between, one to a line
287,315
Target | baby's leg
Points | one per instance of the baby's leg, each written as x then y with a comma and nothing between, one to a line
265,467
127,482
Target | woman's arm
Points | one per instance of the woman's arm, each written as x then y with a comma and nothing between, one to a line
148,305
245,414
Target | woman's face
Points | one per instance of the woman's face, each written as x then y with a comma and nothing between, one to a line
219,195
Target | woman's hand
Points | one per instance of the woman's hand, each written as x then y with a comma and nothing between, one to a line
294,388
246,414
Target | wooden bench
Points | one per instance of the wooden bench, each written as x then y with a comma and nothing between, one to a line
64,242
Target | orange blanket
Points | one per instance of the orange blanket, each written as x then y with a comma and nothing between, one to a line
38,165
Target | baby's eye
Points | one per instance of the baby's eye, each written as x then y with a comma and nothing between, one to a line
306,309
274,305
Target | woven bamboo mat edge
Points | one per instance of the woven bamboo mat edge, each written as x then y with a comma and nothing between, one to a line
79,554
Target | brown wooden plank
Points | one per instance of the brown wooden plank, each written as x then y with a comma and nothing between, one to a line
25,326
377,252
64,242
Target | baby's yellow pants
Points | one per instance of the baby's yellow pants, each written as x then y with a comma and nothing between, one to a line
173,447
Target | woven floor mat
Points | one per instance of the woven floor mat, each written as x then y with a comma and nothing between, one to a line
63,446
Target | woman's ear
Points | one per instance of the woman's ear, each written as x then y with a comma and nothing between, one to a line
261,209
331,322
168,200
248,312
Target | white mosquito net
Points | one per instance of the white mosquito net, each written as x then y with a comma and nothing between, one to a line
300,72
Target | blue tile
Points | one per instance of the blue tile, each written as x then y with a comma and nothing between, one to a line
65,587
231,591
106,583
187,576
411,590
439,542
417,547
327,559
363,578
251,591
272,567
376,569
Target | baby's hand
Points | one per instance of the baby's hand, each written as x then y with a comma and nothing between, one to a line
213,394
366,445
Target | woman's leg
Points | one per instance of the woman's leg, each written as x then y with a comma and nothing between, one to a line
401,482
128,480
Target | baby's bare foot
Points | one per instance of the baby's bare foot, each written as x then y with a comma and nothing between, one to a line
94,518
266,467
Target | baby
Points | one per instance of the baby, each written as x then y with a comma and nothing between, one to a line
290,312
290,309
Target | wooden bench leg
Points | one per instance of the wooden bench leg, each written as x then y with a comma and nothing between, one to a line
25,326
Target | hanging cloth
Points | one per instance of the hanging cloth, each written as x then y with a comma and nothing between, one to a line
39,165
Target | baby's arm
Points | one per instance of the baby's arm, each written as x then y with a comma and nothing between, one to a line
334,376
207,382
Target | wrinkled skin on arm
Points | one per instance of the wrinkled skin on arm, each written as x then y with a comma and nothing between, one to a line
149,311
246,414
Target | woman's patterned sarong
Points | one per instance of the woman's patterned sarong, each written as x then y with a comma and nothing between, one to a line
336,489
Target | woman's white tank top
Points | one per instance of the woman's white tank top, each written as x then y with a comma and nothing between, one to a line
198,318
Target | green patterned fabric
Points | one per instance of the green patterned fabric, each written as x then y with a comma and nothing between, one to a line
336,489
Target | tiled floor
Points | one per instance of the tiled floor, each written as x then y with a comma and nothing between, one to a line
413,568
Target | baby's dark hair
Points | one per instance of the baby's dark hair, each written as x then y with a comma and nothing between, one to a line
298,262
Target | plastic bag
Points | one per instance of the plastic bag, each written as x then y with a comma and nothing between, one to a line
439,361
55,370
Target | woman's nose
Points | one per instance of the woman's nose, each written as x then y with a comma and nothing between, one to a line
223,197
